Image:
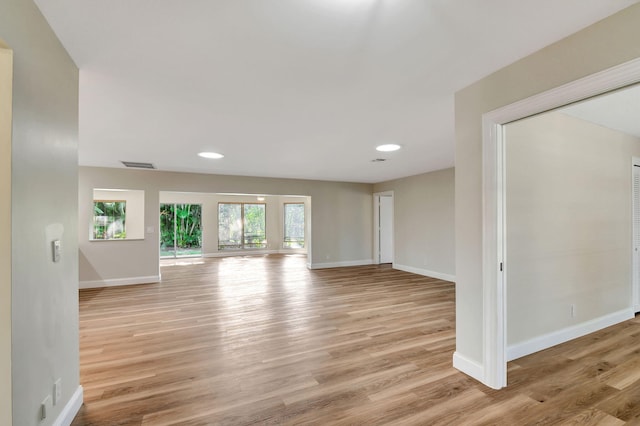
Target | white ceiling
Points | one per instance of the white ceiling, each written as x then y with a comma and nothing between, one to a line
292,88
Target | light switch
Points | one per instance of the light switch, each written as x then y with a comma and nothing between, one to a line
55,246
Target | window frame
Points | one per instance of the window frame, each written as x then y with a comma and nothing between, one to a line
242,219
284,225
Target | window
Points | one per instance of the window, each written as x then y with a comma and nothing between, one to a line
293,225
109,220
180,230
241,226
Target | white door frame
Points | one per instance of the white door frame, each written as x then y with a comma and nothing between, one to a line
376,225
6,109
635,261
493,210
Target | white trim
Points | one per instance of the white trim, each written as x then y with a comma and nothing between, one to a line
70,410
376,229
468,366
493,230
340,264
425,272
569,333
254,252
493,255
376,224
114,282
635,266
292,251
240,253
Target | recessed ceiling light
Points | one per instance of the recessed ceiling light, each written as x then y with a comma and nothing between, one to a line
260,198
388,147
213,155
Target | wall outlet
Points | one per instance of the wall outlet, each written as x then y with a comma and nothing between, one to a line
573,310
56,249
45,407
57,391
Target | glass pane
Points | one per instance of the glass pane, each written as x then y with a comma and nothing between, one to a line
229,226
188,229
293,226
167,235
109,220
255,235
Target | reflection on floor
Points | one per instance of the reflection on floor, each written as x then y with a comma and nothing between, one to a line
264,340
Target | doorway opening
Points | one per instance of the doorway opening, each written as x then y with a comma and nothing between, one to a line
635,293
383,239
233,224
495,264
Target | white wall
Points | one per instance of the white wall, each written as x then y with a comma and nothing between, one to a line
340,216
579,55
6,80
44,203
134,223
424,223
274,218
568,195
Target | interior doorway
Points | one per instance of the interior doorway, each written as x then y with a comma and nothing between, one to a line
635,294
495,266
383,227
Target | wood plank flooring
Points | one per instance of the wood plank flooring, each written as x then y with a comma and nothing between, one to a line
265,341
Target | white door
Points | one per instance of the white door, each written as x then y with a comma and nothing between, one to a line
386,229
636,236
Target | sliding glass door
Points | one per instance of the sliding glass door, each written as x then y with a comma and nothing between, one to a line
180,230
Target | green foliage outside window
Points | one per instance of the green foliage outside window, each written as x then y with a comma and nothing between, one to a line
241,226
109,220
293,225
180,228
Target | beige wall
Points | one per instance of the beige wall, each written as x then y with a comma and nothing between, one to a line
424,222
6,79
44,207
610,42
341,218
209,202
568,195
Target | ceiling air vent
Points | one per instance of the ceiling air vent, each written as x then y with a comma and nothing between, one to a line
136,165
378,160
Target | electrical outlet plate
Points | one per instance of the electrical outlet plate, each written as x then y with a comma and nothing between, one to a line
55,247
57,391
45,407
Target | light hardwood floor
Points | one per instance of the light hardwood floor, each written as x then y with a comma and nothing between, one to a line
263,340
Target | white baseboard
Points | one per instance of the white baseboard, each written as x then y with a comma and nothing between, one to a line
239,253
340,264
425,272
292,251
119,281
254,252
468,366
71,409
548,340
